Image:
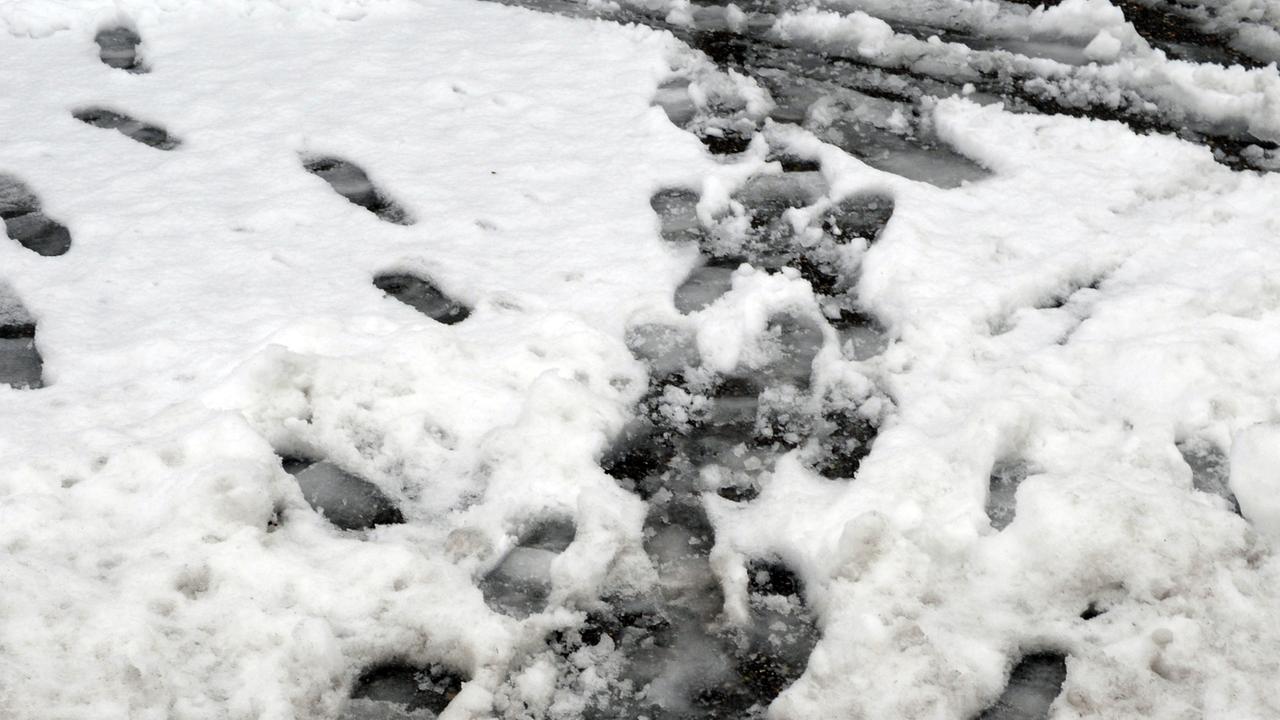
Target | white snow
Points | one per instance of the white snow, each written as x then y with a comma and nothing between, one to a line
1100,298
1255,476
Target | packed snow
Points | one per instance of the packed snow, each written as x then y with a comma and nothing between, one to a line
404,359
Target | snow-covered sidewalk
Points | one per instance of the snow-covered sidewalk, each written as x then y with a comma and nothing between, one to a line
1061,443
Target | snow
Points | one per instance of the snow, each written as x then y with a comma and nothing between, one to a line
1003,415
1255,476
1104,47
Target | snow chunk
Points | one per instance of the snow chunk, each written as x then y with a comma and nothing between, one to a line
1104,47
1255,476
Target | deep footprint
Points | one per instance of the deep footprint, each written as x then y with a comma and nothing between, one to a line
423,296
20,363
145,133
26,223
396,691
118,48
1002,498
1033,685
520,584
349,502
352,182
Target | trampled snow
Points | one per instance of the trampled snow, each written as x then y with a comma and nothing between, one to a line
471,361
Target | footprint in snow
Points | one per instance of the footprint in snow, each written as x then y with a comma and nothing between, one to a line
1210,470
678,657
25,222
1033,685
521,583
1002,491
400,691
134,129
20,363
352,182
347,501
422,295
118,48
